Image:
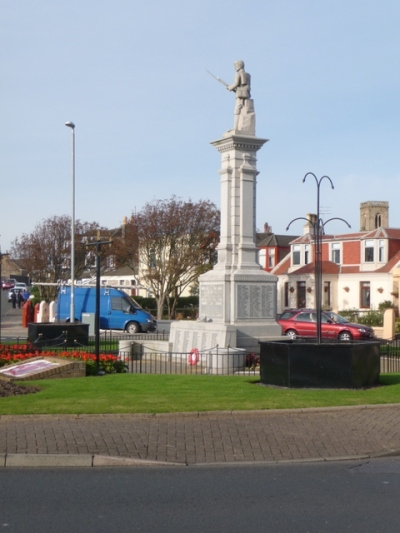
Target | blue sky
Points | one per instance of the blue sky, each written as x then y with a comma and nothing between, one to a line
132,76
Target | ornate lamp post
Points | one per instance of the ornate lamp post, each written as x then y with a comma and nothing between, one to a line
318,230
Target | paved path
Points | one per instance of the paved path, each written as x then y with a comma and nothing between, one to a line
223,437
197,438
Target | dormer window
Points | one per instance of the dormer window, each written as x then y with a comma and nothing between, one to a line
369,251
296,254
335,253
306,254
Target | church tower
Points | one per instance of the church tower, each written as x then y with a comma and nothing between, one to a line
374,215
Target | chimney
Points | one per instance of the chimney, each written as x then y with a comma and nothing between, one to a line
267,228
309,226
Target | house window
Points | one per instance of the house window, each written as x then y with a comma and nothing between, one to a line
365,295
301,294
306,254
261,257
382,251
369,251
327,294
296,254
378,221
335,252
271,257
152,259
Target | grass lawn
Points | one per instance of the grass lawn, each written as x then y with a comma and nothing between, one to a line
141,393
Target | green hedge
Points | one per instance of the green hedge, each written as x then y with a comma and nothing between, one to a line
187,305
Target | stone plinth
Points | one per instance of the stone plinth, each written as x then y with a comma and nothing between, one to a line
201,335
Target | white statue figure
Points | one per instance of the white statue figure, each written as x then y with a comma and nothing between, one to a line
242,87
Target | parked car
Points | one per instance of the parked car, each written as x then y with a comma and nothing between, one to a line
7,284
20,286
303,323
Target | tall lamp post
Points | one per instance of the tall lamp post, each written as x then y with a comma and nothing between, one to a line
318,229
72,306
1,259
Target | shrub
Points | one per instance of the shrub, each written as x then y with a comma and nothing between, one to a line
372,319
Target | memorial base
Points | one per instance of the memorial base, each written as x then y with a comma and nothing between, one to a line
326,366
201,335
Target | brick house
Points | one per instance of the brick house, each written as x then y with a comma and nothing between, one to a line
272,248
359,270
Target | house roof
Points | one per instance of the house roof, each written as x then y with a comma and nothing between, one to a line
271,239
282,266
122,271
392,263
327,268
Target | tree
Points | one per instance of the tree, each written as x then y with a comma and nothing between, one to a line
45,253
176,241
124,248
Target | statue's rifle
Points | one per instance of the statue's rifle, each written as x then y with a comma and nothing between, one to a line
220,80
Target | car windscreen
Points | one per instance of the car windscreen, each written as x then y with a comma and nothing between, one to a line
337,318
133,303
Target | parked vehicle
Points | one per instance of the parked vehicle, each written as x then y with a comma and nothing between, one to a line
8,284
117,309
20,286
303,323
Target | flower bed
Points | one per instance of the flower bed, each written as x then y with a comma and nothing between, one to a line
11,354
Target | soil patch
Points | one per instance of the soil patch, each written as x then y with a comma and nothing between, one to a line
8,388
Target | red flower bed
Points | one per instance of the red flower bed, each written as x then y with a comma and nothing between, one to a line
10,354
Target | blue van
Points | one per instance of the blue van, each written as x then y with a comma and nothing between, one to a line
117,309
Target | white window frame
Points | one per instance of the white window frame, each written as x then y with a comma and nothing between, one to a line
296,253
336,249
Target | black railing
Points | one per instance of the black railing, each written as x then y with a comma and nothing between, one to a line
140,358
213,362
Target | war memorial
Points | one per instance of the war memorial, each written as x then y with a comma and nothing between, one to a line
237,297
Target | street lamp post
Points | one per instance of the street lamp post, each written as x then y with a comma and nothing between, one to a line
72,306
1,259
318,229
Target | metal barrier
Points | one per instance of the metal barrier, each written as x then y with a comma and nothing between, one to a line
140,359
390,356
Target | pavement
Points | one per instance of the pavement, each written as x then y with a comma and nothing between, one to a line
195,439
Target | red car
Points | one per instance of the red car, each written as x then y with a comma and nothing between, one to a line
7,284
303,323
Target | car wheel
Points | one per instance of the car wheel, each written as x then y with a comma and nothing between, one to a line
132,327
345,336
291,334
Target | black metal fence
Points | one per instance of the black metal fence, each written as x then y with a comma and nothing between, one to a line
390,356
140,358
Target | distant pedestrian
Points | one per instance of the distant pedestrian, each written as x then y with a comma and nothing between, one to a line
13,299
26,295
20,299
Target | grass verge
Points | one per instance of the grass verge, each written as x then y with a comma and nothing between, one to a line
140,393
